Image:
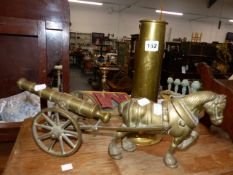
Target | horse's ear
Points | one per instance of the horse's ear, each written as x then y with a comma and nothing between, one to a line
222,98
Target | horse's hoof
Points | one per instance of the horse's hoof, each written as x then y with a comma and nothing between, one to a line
127,145
115,154
116,157
170,161
114,151
181,146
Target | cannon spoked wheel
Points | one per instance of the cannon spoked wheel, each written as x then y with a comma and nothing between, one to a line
56,132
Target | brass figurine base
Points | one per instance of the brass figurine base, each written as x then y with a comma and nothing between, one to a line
145,139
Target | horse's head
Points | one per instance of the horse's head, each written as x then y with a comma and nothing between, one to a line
215,109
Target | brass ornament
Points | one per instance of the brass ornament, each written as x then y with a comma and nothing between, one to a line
148,62
57,130
66,101
178,118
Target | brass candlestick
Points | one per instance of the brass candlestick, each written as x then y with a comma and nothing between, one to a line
104,72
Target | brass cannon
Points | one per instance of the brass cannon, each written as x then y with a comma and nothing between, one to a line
56,129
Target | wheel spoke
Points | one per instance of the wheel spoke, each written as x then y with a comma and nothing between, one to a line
51,145
48,120
71,133
61,145
57,119
44,136
50,115
66,124
68,141
44,126
56,132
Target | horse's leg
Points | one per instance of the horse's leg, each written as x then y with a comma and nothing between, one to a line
169,159
113,150
187,142
128,145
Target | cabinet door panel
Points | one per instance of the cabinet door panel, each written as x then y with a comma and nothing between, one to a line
21,53
17,64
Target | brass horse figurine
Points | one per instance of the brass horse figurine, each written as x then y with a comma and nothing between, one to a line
177,117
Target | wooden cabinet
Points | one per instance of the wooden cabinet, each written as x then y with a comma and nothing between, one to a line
34,36
22,52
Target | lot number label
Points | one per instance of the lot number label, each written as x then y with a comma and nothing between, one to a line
152,46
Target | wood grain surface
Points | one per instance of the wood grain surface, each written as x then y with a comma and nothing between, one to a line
211,154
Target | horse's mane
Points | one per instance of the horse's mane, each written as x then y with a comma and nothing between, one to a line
199,98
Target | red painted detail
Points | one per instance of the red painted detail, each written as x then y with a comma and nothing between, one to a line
106,99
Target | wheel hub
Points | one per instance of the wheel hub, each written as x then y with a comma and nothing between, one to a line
56,132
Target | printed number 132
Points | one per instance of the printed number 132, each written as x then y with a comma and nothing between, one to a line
152,46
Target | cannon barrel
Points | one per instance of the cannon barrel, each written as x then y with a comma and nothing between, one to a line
66,101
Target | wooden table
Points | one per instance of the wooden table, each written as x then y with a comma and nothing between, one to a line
212,154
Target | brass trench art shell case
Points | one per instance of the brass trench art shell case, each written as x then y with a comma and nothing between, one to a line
146,79
148,61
